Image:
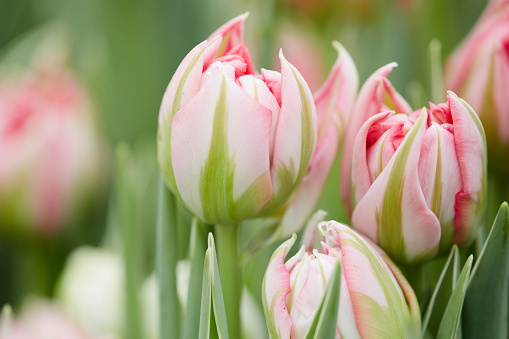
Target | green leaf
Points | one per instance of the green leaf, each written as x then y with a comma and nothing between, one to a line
325,321
441,294
196,257
449,325
212,294
166,261
486,303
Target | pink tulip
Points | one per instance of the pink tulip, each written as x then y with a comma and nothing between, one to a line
376,95
334,101
51,149
478,71
418,182
375,300
233,144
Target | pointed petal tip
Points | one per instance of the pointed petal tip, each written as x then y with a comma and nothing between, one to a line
210,240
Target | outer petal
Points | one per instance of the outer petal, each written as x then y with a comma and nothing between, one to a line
378,302
221,152
336,96
470,142
394,211
360,174
295,138
276,287
259,91
439,179
310,188
184,84
372,99
501,84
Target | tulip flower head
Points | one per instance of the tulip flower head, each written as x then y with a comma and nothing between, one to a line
374,302
418,182
233,144
478,70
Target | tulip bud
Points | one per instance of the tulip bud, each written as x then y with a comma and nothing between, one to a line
418,182
233,144
376,95
478,70
374,302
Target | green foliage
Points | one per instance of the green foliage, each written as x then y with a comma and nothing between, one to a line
486,303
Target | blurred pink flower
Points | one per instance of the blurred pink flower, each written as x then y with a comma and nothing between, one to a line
478,70
42,320
50,148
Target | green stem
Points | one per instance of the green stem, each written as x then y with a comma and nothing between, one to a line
231,275
166,261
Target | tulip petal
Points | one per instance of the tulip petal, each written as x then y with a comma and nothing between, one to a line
501,84
276,287
376,95
310,188
360,174
378,303
470,142
232,33
394,211
439,179
221,137
259,91
337,94
295,137
184,84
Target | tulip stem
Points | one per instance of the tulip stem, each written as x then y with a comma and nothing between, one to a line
231,274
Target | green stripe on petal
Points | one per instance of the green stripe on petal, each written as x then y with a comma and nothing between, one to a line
395,317
389,219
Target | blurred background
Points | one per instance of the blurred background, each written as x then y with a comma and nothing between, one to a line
109,62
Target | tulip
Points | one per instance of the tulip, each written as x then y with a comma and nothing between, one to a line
54,151
334,101
376,95
418,182
233,144
375,300
478,70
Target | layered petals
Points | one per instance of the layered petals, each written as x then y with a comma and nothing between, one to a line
371,303
376,95
233,144
418,182
228,132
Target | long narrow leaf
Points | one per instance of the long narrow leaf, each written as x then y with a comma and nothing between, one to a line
206,295
325,320
217,292
166,261
441,295
212,295
196,257
449,325
486,302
